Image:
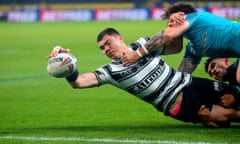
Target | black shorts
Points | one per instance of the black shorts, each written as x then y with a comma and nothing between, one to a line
200,92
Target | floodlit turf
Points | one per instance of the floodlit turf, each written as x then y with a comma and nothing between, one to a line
36,108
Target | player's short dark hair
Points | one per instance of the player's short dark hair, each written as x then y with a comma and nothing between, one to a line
206,64
178,7
107,31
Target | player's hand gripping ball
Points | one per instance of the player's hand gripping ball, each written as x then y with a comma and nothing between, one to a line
62,65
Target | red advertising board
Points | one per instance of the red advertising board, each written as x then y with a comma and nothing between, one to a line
65,15
226,12
121,14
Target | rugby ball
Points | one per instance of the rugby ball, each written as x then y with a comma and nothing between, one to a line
62,65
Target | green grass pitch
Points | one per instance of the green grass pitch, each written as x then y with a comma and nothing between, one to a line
36,108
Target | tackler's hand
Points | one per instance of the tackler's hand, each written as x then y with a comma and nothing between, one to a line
227,100
176,19
129,58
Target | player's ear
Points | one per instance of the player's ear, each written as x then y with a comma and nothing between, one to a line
120,37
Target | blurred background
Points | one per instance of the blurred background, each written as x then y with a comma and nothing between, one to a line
104,10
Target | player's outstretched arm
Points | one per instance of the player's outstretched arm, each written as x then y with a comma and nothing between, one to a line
156,43
169,41
85,80
165,46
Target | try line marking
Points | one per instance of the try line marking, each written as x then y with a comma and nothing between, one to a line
97,140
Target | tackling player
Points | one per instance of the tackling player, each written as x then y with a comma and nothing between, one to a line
223,69
208,35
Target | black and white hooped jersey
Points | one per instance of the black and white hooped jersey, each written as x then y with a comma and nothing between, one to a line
150,79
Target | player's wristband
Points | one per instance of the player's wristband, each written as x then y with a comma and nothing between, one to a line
138,53
145,49
73,77
142,51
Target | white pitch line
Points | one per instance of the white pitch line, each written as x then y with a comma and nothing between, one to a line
97,140
105,140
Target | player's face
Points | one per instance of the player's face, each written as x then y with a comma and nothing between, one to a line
111,46
217,68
